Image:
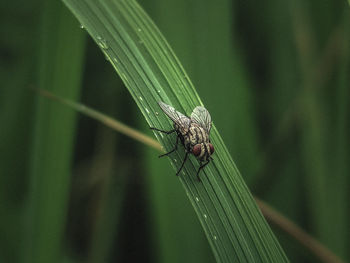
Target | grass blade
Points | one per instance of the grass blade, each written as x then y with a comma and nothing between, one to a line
232,222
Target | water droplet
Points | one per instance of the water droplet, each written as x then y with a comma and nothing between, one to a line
141,99
139,29
215,237
147,110
102,42
197,199
158,91
205,216
157,113
81,26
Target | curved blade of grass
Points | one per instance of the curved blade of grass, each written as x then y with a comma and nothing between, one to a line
235,228
195,38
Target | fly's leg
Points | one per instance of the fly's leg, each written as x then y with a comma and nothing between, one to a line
167,132
182,165
173,150
200,168
163,131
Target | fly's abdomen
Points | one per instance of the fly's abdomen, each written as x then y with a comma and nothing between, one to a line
197,135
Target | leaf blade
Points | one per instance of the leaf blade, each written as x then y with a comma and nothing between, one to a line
234,226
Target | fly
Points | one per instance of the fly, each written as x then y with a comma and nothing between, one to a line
193,133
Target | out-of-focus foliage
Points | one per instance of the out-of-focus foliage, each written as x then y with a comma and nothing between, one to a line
275,77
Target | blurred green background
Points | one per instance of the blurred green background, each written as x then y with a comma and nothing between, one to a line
274,76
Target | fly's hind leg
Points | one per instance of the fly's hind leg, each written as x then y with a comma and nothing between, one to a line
167,132
163,131
173,150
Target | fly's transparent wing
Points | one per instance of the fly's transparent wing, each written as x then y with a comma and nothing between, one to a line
201,116
181,120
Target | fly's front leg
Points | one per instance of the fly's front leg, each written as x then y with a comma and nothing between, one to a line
182,165
200,168
173,150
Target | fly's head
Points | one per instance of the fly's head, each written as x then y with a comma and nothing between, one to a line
203,151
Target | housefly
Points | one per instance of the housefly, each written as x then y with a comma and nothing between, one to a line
193,132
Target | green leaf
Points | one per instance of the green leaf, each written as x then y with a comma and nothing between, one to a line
235,228
60,67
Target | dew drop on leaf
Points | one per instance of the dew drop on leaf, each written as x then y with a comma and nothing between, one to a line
102,42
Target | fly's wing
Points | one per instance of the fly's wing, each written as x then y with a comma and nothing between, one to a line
182,121
201,116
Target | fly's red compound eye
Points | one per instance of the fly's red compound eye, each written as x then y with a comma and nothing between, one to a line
197,150
211,148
